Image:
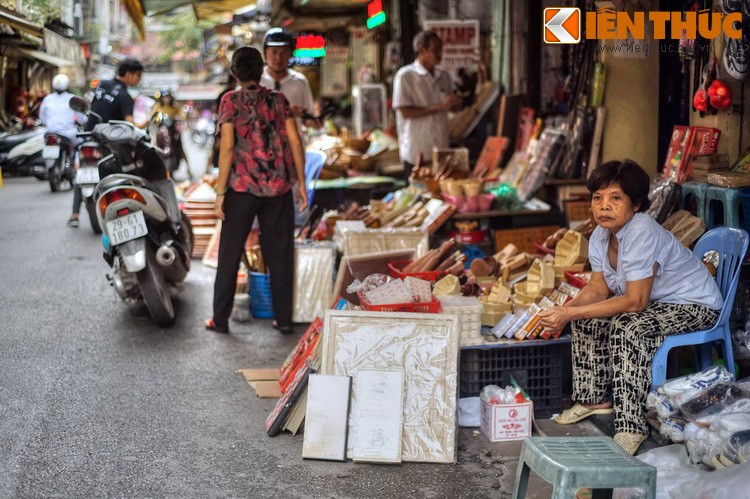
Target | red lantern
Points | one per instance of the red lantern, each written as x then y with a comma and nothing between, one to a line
700,101
719,94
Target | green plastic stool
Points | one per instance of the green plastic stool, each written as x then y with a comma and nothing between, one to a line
731,203
697,190
569,463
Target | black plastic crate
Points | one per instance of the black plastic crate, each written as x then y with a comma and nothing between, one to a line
542,368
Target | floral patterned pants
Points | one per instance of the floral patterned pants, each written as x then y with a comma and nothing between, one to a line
612,357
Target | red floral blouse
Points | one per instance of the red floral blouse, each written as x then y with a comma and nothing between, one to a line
262,160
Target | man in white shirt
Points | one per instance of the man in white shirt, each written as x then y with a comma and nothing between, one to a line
55,112
278,46
422,97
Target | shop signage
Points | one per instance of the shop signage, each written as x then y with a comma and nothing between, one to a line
375,14
310,46
563,25
460,49
62,47
460,43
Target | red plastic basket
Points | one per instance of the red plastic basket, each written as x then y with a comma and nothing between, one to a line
432,307
394,269
575,281
470,237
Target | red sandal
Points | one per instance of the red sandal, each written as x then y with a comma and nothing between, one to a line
211,326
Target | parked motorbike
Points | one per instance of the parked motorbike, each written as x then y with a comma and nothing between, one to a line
202,132
59,154
21,152
87,176
168,139
147,241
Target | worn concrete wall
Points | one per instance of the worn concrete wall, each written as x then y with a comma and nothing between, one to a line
632,101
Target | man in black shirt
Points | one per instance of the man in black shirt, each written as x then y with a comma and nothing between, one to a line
111,102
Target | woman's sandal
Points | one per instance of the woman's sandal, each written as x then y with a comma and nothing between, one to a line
282,329
629,441
211,326
578,413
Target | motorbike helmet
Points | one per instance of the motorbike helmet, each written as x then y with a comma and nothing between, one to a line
278,37
164,92
60,83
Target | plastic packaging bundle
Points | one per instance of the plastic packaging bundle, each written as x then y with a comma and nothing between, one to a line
741,343
665,196
379,289
708,416
673,428
716,396
494,395
681,390
661,404
702,444
744,385
371,282
719,444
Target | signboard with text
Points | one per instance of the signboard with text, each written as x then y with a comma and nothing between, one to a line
460,45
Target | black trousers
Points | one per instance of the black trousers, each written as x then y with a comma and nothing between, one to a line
77,199
276,218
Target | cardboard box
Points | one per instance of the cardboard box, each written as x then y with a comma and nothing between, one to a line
506,422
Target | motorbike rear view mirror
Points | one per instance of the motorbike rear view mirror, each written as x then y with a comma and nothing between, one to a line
78,104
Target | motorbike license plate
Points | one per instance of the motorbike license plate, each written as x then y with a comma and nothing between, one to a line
127,228
87,175
51,152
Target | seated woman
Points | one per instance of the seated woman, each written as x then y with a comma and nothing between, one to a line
644,285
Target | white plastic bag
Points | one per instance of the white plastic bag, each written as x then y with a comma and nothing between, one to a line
469,412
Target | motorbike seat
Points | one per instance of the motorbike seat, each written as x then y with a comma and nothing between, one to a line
69,144
12,141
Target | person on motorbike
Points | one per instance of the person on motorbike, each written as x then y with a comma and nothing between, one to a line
55,112
165,104
111,102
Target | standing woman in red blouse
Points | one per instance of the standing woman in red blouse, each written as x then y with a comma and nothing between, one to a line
260,157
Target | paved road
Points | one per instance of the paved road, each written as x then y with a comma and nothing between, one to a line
96,401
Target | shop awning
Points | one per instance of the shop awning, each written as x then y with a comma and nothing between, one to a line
20,23
135,11
211,9
52,60
203,9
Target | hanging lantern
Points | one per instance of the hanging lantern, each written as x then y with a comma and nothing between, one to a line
719,95
700,101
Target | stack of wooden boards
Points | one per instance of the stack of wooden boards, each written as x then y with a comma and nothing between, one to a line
443,259
199,208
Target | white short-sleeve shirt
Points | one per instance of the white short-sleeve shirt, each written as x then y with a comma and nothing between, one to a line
58,117
294,86
414,86
680,277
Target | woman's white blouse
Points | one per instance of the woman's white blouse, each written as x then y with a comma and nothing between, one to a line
680,277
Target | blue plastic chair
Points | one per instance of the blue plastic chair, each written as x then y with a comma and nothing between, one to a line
314,162
731,244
